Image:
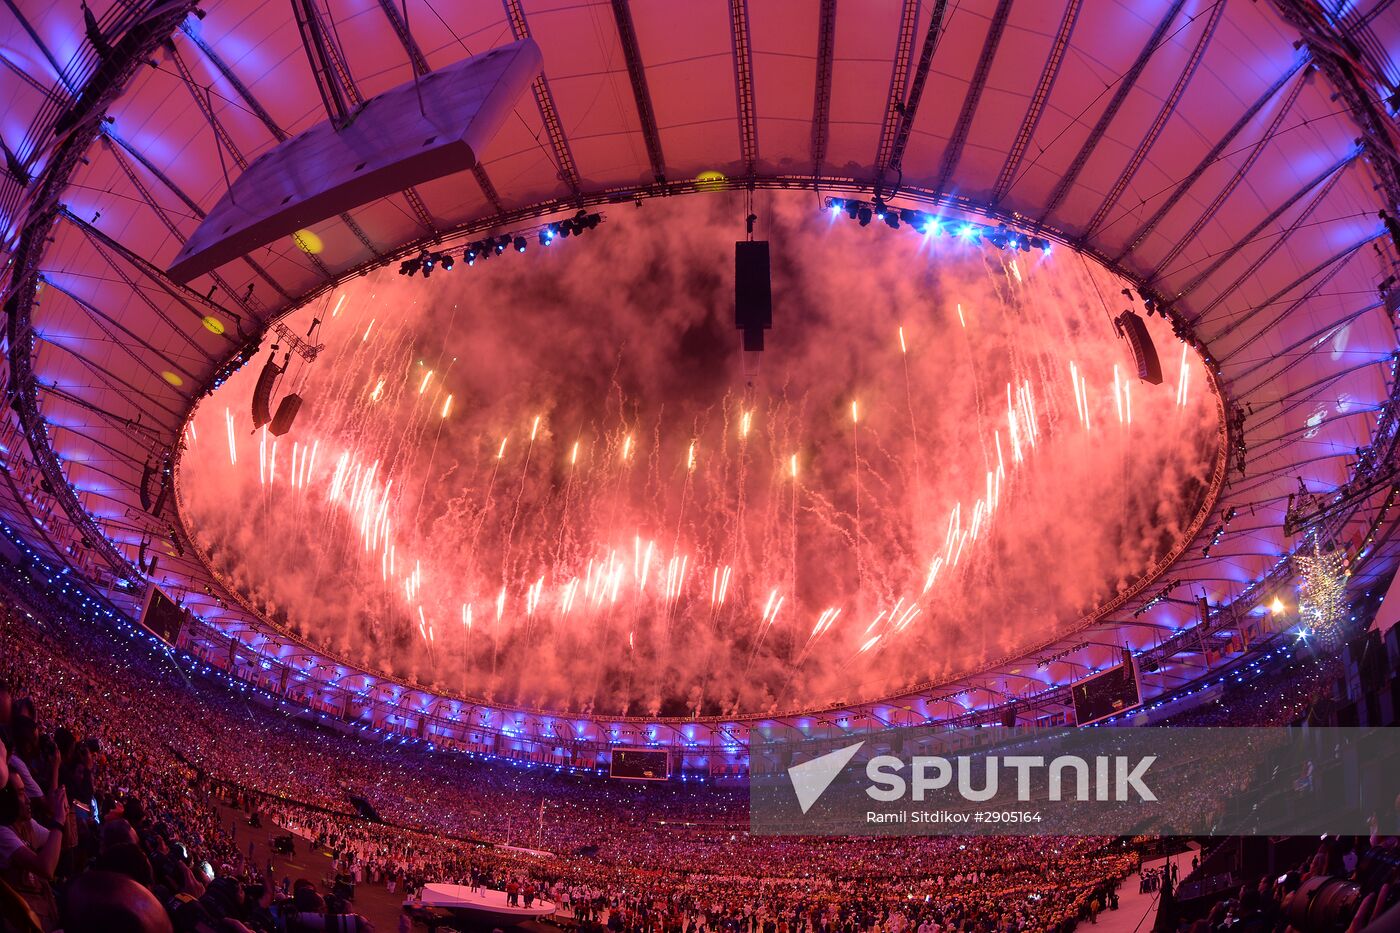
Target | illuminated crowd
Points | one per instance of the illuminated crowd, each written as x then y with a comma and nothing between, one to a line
127,753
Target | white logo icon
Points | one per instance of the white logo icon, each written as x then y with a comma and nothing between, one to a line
811,778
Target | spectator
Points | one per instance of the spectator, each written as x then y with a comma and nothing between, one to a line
29,851
103,902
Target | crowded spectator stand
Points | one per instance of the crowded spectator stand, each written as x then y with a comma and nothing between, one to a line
120,756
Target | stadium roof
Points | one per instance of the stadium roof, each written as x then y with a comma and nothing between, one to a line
1229,156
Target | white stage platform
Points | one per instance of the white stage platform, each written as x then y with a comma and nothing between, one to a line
483,905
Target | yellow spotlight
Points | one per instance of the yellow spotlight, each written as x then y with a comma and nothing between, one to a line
308,242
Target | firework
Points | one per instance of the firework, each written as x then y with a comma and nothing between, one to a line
883,549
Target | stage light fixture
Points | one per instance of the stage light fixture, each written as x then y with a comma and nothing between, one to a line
519,244
865,215
916,219
446,261
1000,237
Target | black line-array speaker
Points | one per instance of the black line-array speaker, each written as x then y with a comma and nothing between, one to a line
148,471
262,392
1134,329
753,292
286,414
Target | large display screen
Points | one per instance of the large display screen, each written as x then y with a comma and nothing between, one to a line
1107,694
162,617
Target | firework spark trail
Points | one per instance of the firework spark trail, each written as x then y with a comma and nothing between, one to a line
855,460
563,534
823,624
519,495
739,538
486,503
766,620
1183,379
909,402
792,523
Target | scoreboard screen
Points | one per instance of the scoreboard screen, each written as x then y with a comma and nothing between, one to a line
161,616
1107,694
640,764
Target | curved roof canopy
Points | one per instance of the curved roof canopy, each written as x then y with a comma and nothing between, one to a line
1229,156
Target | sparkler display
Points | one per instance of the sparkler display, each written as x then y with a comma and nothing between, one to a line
1323,609
618,519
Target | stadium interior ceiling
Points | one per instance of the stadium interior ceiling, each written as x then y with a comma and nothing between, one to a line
1228,161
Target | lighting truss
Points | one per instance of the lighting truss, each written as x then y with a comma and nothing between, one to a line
1001,236
497,244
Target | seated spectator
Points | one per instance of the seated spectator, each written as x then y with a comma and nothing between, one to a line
29,851
127,858
105,902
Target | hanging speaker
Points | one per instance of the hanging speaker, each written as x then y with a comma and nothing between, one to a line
147,472
1134,330
286,414
262,392
753,293
159,504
